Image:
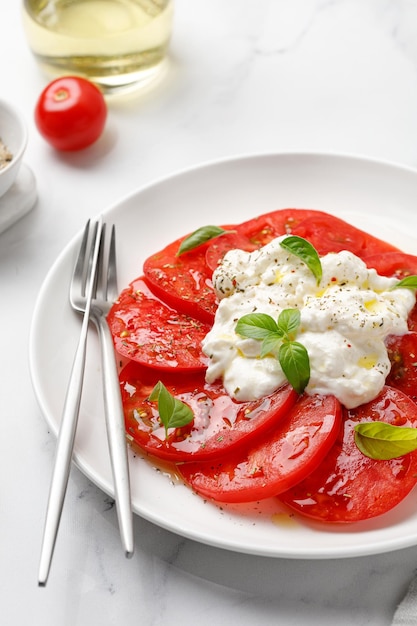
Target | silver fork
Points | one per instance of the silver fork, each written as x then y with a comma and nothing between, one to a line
87,297
106,293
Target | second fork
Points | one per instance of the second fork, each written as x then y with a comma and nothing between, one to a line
106,292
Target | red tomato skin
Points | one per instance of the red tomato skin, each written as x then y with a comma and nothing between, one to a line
286,455
183,282
221,245
395,264
412,319
266,227
257,232
348,486
402,352
220,424
147,331
71,113
328,233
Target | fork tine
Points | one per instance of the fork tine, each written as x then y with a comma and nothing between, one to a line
79,265
112,289
77,284
100,278
97,239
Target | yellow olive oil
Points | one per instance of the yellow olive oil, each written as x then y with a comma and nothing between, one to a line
115,43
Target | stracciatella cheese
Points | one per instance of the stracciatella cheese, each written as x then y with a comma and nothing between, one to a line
344,322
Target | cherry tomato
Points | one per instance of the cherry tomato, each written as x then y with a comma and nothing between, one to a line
71,113
220,423
146,330
349,486
284,457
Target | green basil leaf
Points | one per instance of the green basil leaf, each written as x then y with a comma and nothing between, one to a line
409,282
289,321
200,236
304,251
382,441
172,412
154,395
256,326
277,339
271,344
293,358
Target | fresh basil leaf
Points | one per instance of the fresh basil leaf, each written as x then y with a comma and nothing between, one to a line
306,252
409,282
257,326
271,344
277,339
172,412
293,358
382,441
289,321
154,395
200,236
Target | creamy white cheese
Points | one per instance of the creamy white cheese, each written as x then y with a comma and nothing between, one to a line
344,322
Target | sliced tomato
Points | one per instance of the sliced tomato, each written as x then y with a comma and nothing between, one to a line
257,232
402,352
221,245
146,330
294,448
261,230
396,264
220,423
412,319
183,282
328,233
348,486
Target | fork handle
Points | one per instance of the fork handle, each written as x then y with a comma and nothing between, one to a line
63,456
116,434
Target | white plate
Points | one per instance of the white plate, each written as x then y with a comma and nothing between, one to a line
379,197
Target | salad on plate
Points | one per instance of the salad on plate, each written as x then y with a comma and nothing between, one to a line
276,358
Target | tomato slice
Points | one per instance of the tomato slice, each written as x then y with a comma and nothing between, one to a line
412,319
220,423
257,232
146,330
396,264
183,282
328,233
229,241
402,352
348,486
261,230
288,453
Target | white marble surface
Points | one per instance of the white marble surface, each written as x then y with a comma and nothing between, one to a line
245,76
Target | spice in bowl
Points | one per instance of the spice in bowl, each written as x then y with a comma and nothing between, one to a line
5,155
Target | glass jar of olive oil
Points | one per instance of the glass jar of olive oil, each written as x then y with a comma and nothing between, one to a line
115,43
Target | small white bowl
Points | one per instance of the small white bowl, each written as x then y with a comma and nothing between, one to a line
13,133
